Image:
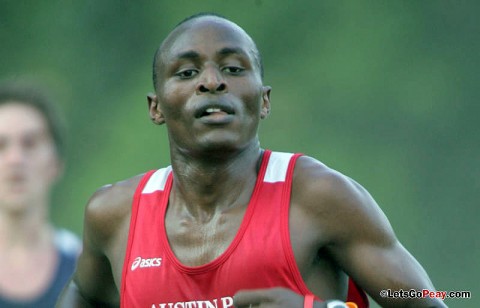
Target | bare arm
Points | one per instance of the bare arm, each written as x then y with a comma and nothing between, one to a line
348,224
94,284
361,239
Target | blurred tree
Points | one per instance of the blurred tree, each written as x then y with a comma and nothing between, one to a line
385,92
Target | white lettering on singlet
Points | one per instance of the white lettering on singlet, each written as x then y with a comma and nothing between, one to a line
143,263
223,302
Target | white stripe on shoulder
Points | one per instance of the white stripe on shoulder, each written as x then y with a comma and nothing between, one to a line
157,181
277,167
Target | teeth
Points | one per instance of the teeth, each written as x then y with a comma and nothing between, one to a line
211,110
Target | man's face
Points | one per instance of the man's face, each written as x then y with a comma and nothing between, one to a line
210,92
28,160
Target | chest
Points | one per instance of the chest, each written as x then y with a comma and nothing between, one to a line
267,244
195,242
204,261
16,279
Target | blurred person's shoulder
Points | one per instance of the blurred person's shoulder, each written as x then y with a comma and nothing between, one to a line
67,242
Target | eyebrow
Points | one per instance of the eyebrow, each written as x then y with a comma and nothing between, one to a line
190,54
232,51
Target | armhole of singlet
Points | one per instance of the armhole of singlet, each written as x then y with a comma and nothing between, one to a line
285,225
131,229
354,292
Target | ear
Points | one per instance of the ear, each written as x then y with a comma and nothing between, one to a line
56,169
156,114
265,102
60,168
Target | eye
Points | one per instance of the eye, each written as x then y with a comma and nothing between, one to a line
234,70
30,143
186,74
3,144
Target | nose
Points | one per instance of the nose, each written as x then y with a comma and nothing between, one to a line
14,154
211,81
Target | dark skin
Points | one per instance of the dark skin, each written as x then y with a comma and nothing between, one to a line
336,227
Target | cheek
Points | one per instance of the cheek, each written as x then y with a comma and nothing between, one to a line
172,98
253,98
45,165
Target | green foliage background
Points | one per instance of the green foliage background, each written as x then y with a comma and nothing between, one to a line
384,91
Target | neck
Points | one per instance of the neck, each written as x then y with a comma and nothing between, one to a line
26,247
23,230
214,183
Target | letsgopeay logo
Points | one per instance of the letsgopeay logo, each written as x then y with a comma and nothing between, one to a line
139,262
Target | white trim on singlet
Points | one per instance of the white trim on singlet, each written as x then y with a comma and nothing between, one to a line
276,172
277,167
157,181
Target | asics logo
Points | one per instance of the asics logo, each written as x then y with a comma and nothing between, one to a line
139,262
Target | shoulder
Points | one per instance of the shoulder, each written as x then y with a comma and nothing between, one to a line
313,179
108,208
339,204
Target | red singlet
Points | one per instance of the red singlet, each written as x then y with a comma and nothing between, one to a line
260,255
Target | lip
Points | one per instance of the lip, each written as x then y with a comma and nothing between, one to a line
15,178
222,110
218,118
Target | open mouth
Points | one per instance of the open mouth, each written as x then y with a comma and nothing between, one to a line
214,110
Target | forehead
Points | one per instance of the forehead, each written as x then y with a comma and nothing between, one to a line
17,118
207,34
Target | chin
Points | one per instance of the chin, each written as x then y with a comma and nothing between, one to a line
215,141
219,148
15,206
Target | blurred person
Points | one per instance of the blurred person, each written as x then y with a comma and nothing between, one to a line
229,223
36,259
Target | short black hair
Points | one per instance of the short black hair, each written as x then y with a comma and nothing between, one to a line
31,95
198,15
257,55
